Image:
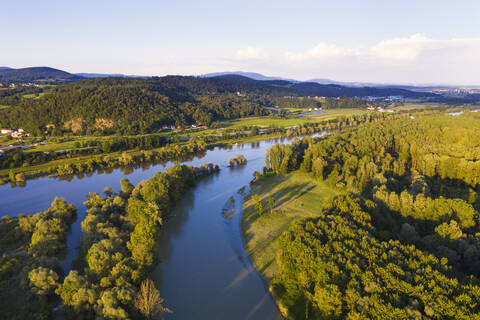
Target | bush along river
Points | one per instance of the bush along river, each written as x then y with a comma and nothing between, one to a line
205,272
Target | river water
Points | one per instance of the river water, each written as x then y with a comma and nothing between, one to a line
205,272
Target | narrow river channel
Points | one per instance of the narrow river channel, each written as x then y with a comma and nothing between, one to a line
205,272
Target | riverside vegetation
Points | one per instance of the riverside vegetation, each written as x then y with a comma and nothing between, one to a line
110,152
400,238
117,253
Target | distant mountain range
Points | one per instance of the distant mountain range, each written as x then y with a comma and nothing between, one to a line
330,87
36,74
324,81
42,74
251,75
99,75
107,75
325,90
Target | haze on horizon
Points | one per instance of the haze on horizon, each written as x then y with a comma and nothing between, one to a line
410,42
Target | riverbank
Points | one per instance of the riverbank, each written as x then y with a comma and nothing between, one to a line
73,163
50,168
296,196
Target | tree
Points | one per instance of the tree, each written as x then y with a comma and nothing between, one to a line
241,159
42,280
148,300
258,204
142,244
271,204
11,176
127,186
108,191
75,292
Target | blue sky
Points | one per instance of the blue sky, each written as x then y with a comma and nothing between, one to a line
406,41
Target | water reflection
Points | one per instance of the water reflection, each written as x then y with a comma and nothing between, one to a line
228,210
173,229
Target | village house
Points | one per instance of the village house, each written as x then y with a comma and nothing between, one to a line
14,133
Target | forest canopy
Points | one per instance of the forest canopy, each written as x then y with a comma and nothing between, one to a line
403,242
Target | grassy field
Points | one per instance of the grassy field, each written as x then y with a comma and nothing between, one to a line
269,122
66,145
264,122
412,106
4,140
3,107
33,95
297,196
334,113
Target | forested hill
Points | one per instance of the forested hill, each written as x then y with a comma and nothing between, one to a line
36,74
328,90
333,90
135,105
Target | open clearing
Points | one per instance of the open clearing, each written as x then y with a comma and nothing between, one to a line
279,122
297,196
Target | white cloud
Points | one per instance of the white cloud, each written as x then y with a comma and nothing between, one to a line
252,53
407,49
416,58
402,49
322,51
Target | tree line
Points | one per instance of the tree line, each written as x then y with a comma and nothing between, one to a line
118,246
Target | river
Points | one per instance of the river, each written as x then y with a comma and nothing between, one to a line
205,272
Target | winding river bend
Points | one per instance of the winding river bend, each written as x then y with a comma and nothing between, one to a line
205,272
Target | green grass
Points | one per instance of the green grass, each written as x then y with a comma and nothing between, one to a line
297,196
67,145
413,106
263,122
291,109
33,95
2,106
53,145
4,140
334,113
